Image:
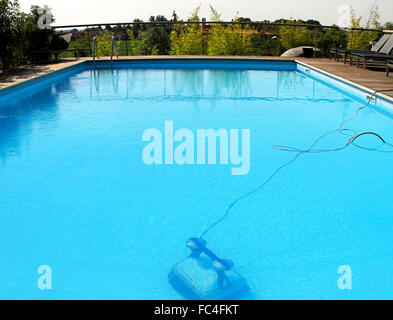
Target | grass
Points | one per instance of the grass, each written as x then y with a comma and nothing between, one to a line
124,49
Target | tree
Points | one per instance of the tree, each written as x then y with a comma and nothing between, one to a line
104,42
229,40
21,39
264,45
39,41
292,37
81,45
155,41
388,26
187,39
133,50
332,38
156,38
313,22
137,28
362,39
9,17
241,19
161,18
174,16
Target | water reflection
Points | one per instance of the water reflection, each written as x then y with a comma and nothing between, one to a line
17,119
201,88
94,82
208,85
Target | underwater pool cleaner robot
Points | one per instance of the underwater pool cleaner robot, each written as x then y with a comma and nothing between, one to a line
205,276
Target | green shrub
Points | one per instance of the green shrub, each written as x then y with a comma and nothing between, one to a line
38,41
332,38
137,47
292,37
263,45
233,40
104,42
21,40
81,46
156,41
10,19
187,39
360,39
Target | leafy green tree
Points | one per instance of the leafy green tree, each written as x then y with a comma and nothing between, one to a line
137,28
9,17
81,45
151,39
104,42
187,39
39,40
137,47
174,16
217,36
314,22
158,18
388,26
361,39
229,40
156,41
332,38
292,37
21,40
264,45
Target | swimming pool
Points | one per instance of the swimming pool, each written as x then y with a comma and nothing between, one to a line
75,194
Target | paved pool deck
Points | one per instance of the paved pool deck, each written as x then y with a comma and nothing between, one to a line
372,79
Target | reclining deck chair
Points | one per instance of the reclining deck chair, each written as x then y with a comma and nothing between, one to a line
347,53
372,59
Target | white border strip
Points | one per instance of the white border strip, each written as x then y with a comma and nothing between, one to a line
364,93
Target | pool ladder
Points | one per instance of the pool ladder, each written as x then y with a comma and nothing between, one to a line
114,44
95,50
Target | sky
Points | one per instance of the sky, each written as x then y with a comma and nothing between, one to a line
69,12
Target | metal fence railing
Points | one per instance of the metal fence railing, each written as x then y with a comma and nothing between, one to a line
213,37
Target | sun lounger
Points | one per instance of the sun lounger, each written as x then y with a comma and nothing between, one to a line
58,44
389,65
370,59
347,53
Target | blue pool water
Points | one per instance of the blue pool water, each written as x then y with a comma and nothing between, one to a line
75,194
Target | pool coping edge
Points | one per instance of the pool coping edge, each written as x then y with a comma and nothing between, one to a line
348,82
14,87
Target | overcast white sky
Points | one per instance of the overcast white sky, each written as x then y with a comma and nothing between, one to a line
68,12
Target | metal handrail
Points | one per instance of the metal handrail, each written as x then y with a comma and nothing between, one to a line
95,49
261,23
112,45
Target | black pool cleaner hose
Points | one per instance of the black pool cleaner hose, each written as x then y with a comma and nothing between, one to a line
340,129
